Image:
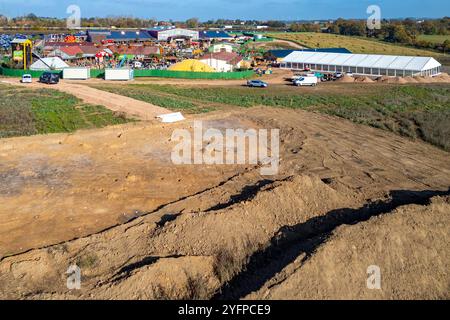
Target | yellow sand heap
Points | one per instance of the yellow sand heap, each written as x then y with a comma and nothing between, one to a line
191,65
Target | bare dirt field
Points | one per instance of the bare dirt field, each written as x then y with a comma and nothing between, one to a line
346,197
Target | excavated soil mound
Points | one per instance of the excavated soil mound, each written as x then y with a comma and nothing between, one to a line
422,79
444,76
383,79
347,79
408,245
398,80
410,79
367,80
151,259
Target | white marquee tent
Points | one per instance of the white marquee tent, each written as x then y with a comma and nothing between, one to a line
45,64
362,64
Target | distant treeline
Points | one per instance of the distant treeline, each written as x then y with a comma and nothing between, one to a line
406,31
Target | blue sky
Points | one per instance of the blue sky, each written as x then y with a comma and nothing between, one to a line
237,9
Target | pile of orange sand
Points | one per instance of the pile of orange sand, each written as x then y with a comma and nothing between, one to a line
347,79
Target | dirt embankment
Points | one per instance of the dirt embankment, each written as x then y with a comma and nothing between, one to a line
406,244
236,233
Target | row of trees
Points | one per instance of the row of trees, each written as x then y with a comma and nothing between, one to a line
406,31
31,20
410,26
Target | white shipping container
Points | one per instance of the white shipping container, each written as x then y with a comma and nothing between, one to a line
119,74
76,73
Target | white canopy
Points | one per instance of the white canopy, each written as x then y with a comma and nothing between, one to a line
364,60
51,63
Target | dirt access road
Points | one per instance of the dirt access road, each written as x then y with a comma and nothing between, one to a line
74,86
131,107
198,231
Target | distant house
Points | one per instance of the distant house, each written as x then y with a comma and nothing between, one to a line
222,61
89,51
67,53
139,52
221,47
55,37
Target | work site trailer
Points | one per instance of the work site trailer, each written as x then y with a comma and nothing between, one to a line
119,74
76,73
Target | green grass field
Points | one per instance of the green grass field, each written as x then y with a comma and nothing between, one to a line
160,98
437,39
354,44
27,112
416,111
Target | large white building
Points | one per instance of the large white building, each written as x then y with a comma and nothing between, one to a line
362,64
175,33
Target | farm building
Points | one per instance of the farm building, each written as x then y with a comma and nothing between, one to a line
362,64
67,53
127,36
222,61
111,36
173,34
222,47
50,46
209,35
97,36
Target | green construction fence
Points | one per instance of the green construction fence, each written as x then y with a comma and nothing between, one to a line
19,72
99,73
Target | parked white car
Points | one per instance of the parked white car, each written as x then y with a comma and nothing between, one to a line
26,78
306,81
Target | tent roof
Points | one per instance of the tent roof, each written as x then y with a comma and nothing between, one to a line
54,62
364,60
213,34
20,41
127,35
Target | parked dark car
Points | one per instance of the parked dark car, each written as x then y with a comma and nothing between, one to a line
49,78
257,84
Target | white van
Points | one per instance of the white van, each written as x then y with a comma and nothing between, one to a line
306,81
